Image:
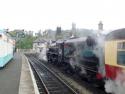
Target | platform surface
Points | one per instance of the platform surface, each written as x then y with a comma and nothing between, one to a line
15,77
10,76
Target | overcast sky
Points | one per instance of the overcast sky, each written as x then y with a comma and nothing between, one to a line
44,14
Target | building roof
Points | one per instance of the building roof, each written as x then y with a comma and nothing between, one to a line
116,34
39,40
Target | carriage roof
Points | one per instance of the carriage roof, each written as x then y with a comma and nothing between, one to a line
116,35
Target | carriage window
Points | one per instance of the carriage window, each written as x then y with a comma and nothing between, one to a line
121,53
121,57
121,45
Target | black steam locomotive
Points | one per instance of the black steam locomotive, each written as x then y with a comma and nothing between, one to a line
77,55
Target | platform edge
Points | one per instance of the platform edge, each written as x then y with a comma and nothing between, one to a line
32,77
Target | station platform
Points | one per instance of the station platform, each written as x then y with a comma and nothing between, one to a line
26,85
17,78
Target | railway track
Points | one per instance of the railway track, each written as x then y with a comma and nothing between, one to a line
47,81
76,82
88,88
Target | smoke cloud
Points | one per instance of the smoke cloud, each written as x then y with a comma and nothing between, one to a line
42,54
118,85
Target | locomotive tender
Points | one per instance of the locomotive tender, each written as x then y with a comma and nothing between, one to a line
7,45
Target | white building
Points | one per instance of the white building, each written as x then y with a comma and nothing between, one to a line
39,44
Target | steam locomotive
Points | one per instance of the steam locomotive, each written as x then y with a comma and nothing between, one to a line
78,55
